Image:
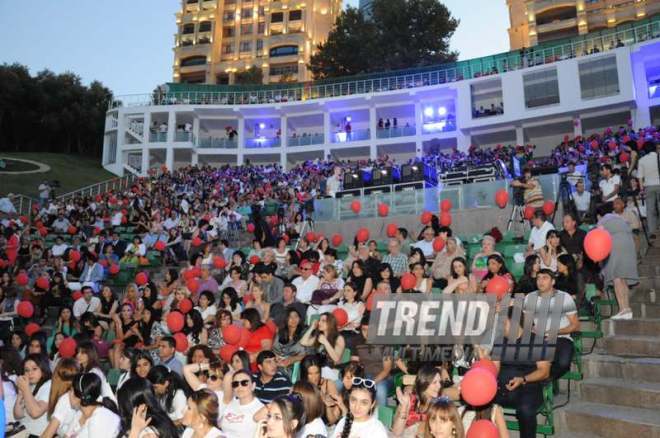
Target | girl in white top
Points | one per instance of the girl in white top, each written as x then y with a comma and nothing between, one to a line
61,413
141,414
33,390
354,309
169,391
283,418
239,404
97,415
314,410
444,421
88,358
202,415
360,422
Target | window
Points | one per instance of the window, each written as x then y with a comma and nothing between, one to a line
295,15
229,16
284,69
190,2
246,13
599,77
228,32
277,17
261,28
193,60
261,11
541,88
246,46
260,46
204,40
188,28
205,26
227,49
246,29
487,98
283,51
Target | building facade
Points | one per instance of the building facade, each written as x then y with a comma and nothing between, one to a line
569,89
216,39
537,21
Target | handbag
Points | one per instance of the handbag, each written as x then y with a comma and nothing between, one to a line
320,295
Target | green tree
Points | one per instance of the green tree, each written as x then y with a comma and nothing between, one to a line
253,75
400,34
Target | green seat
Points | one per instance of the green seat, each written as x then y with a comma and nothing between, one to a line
295,372
346,356
546,427
386,415
312,318
113,376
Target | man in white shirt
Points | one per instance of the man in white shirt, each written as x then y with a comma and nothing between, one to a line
59,248
87,303
609,185
306,284
582,199
61,224
537,237
426,244
44,192
649,178
333,184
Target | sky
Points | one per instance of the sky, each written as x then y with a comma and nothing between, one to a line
127,44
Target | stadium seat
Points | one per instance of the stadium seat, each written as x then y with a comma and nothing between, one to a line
295,372
386,415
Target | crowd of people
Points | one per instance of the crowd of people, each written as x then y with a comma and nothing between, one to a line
212,340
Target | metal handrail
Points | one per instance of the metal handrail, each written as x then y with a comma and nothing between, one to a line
121,183
468,69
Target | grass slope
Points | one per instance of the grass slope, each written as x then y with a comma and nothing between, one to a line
72,171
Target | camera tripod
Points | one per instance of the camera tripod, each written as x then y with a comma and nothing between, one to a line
517,217
565,195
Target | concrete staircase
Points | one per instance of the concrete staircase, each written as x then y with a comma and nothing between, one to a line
620,393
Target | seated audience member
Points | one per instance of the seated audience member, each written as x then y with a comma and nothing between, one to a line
360,420
270,383
239,404
540,228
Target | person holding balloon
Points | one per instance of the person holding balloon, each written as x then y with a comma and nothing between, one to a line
496,268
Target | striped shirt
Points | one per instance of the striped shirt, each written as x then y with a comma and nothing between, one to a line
267,392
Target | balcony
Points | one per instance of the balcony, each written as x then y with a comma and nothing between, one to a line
182,136
354,135
305,140
217,143
399,131
557,25
439,126
541,5
208,5
262,142
157,137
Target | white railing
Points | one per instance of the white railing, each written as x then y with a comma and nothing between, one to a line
428,76
116,184
23,204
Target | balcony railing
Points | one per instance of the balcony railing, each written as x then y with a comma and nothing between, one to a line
305,140
262,142
182,136
396,131
354,135
219,143
423,77
157,137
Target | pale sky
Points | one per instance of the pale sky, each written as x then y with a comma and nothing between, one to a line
127,44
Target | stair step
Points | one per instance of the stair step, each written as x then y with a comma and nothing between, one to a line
633,327
645,310
618,392
642,294
645,369
612,421
637,346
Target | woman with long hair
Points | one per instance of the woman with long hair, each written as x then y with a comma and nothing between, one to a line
354,308
96,415
443,420
61,413
551,250
569,279
285,417
31,407
459,281
202,415
141,414
496,267
527,283
287,345
360,420
194,328
258,301
314,409
88,359
310,371
386,275
108,308
12,367
230,301
170,391
324,337
261,337
414,407
360,278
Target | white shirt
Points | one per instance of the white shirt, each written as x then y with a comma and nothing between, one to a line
647,170
102,424
537,237
81,306
607,187
60,249
237,421
426,247
305,288
65,414
35,426
209,311
333,185
213,433
372,428
582,201
10,399
316,427
116,219
179,405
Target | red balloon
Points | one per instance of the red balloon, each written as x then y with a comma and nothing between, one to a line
391,230
594,144
67,347
598,244
22,279
497,285
197,242
97,231
425,218
624,157
371,299
528,213
74,255
254,260
356,206
114,269
175,321
219,262
192,285
43,283
337,240
189,274
231,334
24,220
478,387
445,219
227,351
383,209
285,237
43,232
32,328
185,306
548,207
362,235
181,342
310,237
341,316
141,278
408,281
25,309
245,337
445,205
482,429
501,198
76,295
250,228
72,230
486,364
159,246
438,244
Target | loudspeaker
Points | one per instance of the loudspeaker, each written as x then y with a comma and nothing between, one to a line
352,180
412,172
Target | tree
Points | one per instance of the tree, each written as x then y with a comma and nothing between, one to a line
400,34
253,75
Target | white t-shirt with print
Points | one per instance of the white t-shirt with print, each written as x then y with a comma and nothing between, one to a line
213,433
237,420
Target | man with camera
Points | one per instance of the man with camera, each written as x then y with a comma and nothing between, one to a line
533,193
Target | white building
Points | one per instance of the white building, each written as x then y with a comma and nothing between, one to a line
575,87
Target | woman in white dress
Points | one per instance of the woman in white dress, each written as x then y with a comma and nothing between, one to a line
61,413
33,386
97,415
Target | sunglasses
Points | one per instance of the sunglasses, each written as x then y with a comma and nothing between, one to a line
238,383
366,383
442,400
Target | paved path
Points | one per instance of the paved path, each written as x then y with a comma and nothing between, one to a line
41,168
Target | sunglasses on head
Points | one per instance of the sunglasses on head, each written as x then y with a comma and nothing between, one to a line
366,383
238,383
442,400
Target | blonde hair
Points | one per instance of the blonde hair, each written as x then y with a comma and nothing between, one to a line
207,404
443,409
66,370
